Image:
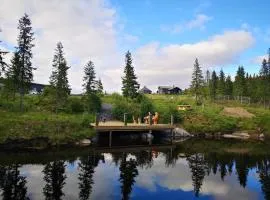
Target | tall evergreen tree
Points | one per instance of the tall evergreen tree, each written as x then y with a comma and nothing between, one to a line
59,79
99,87
240,87
197,80
130,86
228,86
12,76
221,83
89,79
264,73
213,85
24,49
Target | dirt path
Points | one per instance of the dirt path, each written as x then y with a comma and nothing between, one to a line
237,112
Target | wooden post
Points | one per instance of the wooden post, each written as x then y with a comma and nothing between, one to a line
150,119
125,119
172,120
96,119
110,139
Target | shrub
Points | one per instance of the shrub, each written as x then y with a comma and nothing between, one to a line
92,103
76,105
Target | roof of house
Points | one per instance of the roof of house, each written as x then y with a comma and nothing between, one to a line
145,89
168,87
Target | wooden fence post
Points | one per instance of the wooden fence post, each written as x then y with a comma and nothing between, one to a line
125,119
172,120
150,119
96,119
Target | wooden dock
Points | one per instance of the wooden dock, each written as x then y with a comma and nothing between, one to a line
117,126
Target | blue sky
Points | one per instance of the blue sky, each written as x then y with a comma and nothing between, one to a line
164,37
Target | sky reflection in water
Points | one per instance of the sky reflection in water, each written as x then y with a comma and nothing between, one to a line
140,175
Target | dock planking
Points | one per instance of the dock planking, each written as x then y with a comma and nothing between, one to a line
120,126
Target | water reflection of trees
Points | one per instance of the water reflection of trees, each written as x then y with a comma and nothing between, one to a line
197,166
201,165
86,168
54,177
12,184
128,172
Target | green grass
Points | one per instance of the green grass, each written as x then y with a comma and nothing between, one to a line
60,128
208,118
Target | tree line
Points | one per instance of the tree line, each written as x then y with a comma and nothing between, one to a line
215,84
19,74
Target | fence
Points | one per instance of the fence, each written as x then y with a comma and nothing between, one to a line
241,99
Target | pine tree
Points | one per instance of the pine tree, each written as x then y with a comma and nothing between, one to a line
264,80
59,79
221,83
130,86
89,82
213,85
24,49
197,81
240,87
228,86
99,87
12,76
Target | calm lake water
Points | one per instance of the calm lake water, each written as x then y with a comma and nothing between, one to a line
162,171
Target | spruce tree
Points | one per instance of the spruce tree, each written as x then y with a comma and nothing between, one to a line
12,74
221,83
264,80
240,88
213,85
59,79
228,86
89,79
24,49
99,87
197,80
130,86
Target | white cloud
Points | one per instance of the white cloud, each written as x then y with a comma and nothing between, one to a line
173,64
259,59
86,29
197,23
91,30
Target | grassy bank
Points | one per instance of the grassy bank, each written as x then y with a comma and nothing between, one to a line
208,118
67,126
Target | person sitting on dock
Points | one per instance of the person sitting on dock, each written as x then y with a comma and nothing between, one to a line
155,118
147,118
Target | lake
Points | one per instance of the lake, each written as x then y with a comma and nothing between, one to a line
160,171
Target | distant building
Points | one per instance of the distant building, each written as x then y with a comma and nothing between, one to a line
145,90
169,90
36,88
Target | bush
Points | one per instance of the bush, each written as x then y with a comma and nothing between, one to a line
76,105
145,107
92,103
